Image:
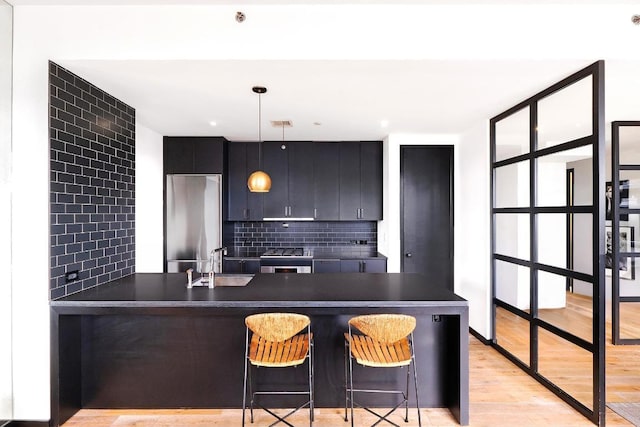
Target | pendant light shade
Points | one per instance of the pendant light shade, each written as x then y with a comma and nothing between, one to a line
259,181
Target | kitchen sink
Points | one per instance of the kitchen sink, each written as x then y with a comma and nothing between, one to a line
224,279
231,279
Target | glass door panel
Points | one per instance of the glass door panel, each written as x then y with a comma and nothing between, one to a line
551,177
513,284
511,186
629,137
566,365
565,115
512,334
512,135
630,320
571,312
512,235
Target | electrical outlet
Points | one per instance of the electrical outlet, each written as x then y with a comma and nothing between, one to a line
71,276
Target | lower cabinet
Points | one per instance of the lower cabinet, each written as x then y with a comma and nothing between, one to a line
326,266
249,266
350,266
363,265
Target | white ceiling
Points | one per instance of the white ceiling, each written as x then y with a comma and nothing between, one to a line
348,98
337,99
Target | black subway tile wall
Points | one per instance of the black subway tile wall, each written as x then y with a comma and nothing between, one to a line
92,190
326,237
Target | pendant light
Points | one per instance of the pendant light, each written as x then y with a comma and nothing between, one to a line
259,181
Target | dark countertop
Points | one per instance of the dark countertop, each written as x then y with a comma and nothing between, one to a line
157,290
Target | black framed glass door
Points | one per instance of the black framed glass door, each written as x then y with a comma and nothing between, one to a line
622,228
547,239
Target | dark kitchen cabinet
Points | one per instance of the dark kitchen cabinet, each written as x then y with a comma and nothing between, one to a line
290,166
243,205
185,155
361,181
326,166
363,265
327,181
247,266
326,266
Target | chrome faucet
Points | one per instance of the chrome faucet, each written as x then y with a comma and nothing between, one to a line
213,263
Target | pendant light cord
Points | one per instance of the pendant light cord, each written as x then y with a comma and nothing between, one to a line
260,131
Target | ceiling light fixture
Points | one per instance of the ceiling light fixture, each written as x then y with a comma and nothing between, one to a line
259,181
635,19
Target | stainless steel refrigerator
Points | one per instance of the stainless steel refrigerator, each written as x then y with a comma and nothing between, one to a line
193,221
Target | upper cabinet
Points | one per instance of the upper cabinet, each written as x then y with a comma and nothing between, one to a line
185,155
360,181
326,191
327,181
290,166
242,205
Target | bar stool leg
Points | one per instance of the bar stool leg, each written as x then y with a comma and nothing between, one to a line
244,382
351,383
406,397
311,407
415,379
346,382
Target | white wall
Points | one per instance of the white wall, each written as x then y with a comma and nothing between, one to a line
6,401
472,251
149,206
30,226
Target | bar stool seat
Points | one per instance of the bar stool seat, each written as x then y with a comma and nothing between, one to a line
273,340
387,343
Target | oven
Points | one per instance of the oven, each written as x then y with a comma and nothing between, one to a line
285,260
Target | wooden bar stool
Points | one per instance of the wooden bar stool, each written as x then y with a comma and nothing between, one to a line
387,342
273,340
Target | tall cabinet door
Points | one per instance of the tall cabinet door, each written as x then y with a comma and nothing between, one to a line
276,164
349,180
301,179
237,181
255,201
370,181
326,167
243,205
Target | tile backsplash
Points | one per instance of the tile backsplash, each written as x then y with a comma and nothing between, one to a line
92,190
327,237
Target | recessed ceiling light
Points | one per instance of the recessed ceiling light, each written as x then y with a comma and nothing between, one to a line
213,123
384,123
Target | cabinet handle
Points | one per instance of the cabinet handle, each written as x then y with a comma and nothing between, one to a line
364,266
361,213
289,210
315,213
245,213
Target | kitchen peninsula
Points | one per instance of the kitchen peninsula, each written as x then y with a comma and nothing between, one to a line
146,341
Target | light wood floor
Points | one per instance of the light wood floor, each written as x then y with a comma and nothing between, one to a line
500,395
